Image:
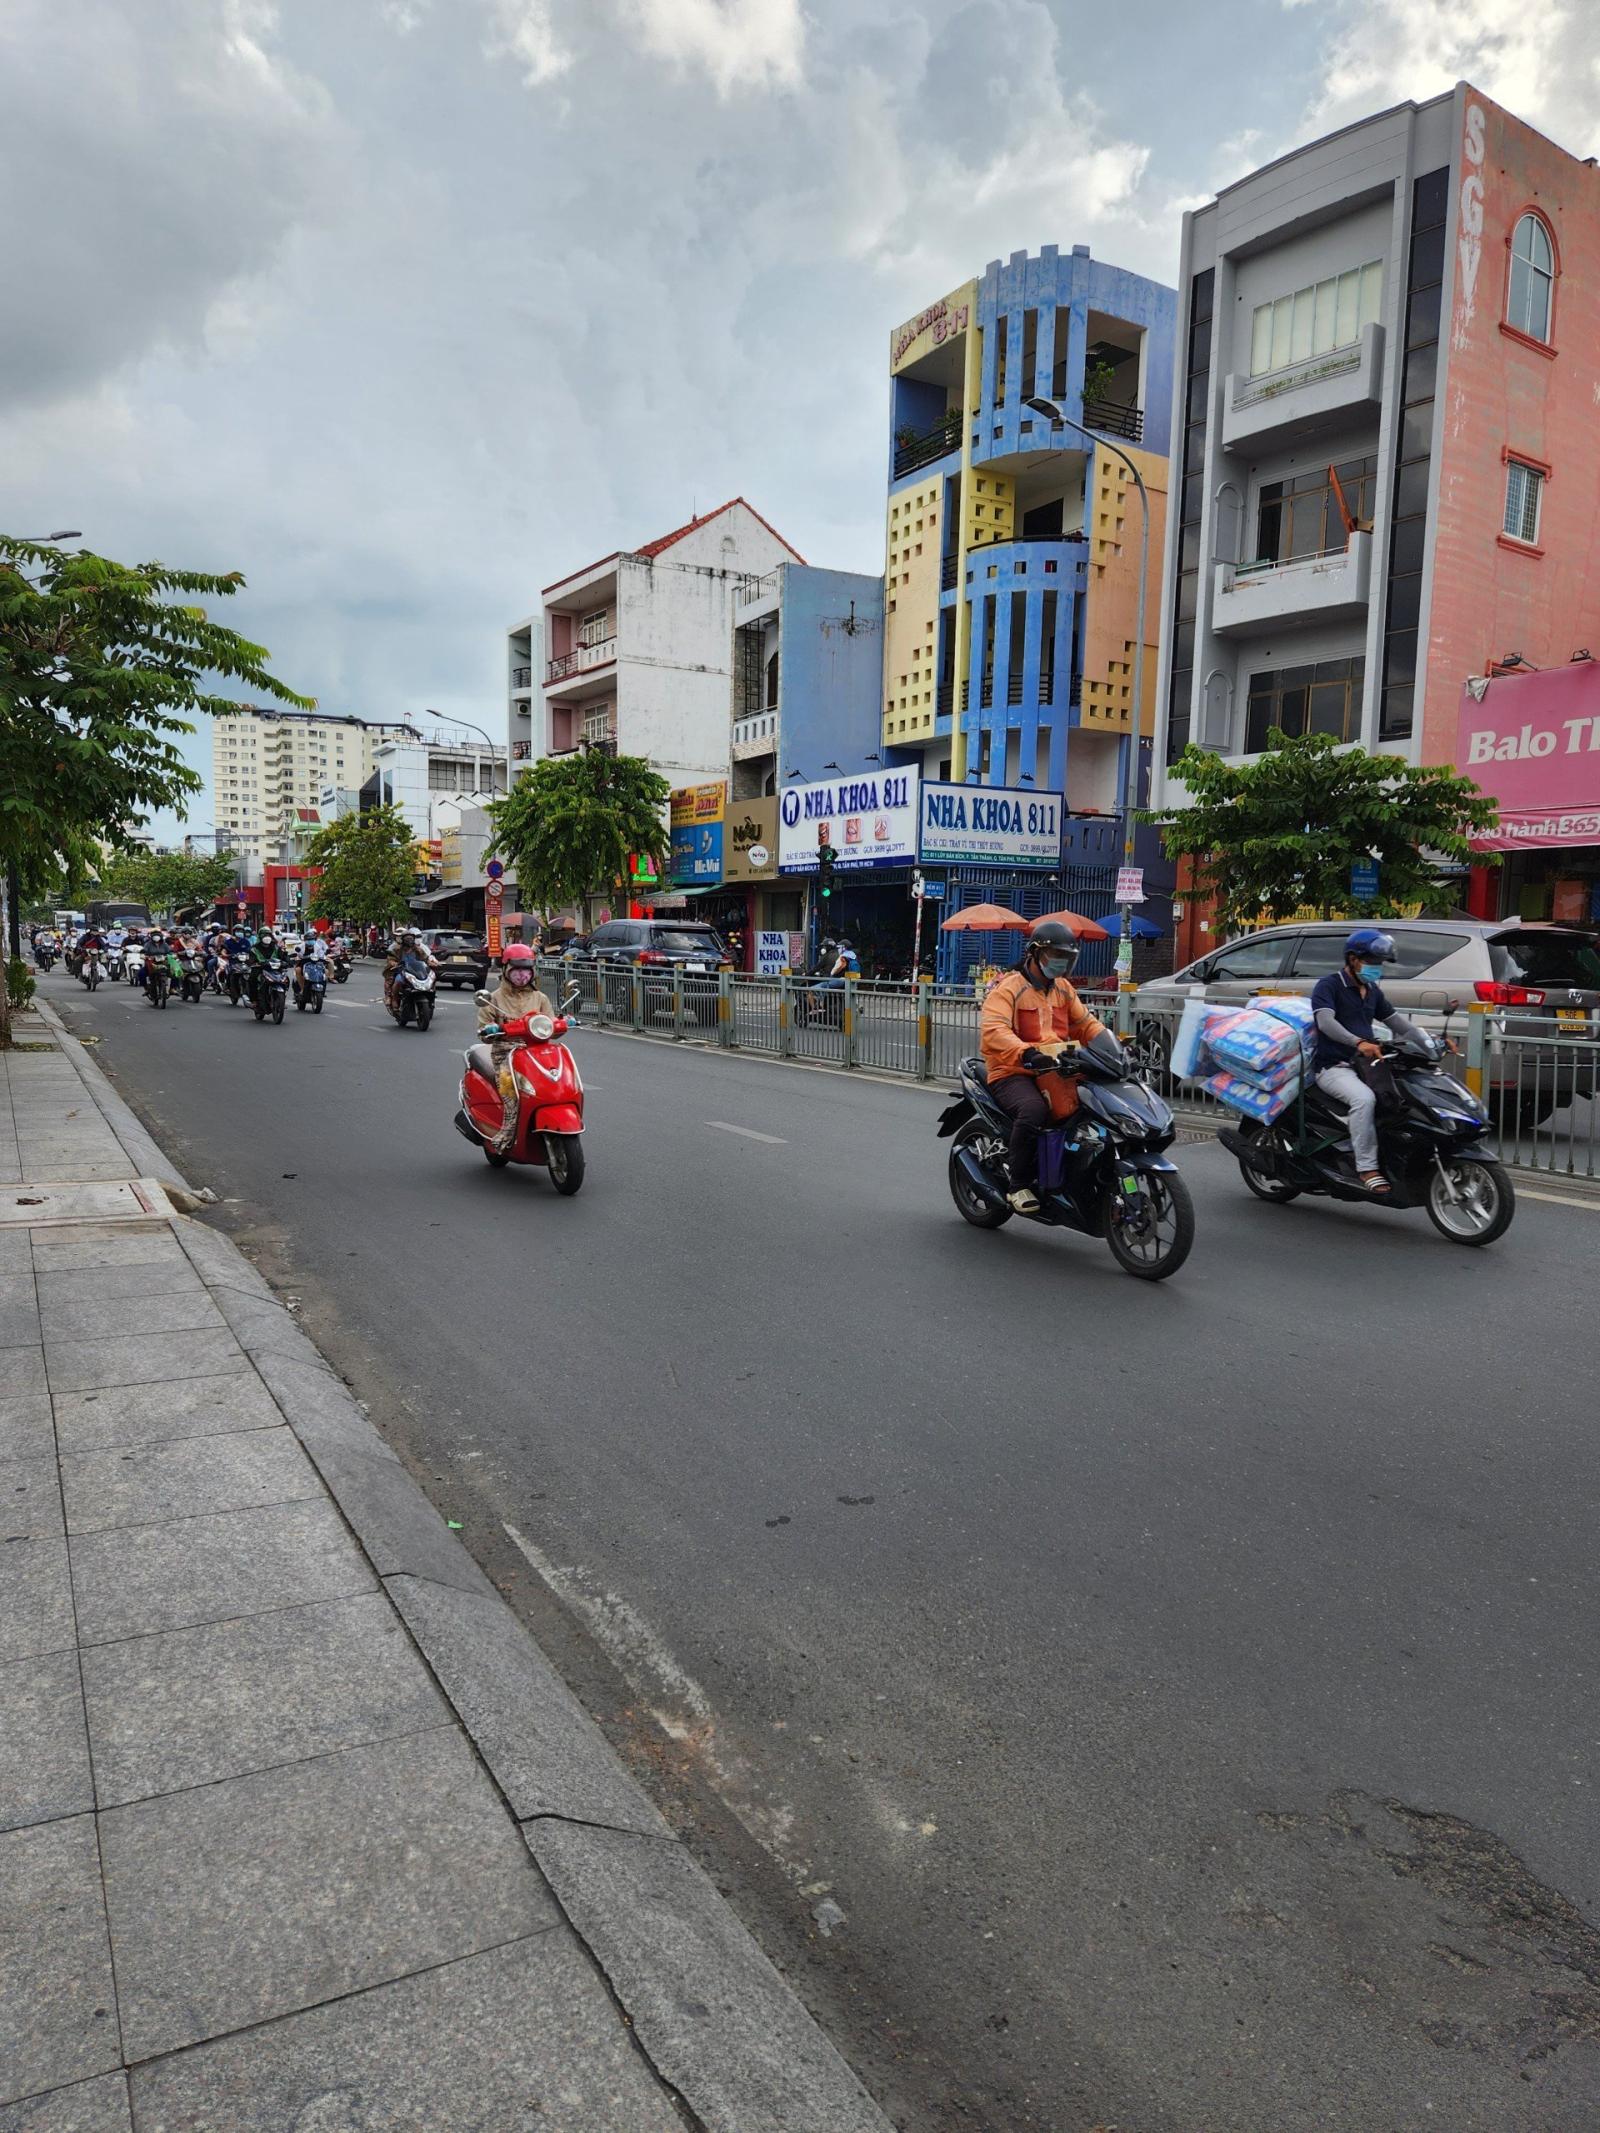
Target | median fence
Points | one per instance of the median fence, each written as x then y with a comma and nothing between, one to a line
1541,1091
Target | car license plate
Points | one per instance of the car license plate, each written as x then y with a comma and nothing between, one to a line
1571,1018
694,966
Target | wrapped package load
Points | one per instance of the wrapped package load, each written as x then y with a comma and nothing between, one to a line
1295,1009
1251,1041
1186,1039
1244,1094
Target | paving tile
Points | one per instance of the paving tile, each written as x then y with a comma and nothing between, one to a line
57,2013
16,1255
269,1893
35,1599
30,1499
150,1484
26,1429
171,1311
321,1410
19,1325
139,1580
218,1259
44,1755
200,1704
21,1370
140,1358
547,1755
90,1244
708,2007
396,1524
114,1284
527,2033
154,1414
99,2106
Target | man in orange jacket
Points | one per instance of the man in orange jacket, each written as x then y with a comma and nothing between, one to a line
1031,1007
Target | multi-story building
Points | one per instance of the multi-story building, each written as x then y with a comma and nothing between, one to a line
418,777
268,767
638,646
1389,449
524,678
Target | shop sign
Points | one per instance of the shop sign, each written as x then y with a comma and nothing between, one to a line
772,954
750,841
1532,742
697,855
450,858
871,821
995,825
697,803
1130,887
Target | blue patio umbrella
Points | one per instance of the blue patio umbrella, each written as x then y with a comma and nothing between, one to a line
1143,929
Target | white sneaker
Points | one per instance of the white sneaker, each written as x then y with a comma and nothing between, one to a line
1024,1201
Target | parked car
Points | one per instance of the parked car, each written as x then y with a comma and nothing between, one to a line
1542,980
659,947
463,958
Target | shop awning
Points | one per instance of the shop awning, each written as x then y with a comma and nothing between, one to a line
430,897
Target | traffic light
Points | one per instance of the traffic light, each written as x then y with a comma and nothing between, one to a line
826,855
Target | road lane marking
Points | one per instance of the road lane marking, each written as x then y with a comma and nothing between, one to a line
1559,1199
749,1133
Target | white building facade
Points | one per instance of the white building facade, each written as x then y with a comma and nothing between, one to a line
269,767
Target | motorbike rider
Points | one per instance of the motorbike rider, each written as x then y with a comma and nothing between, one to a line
518,993
406,946
1344,1005
313,949
264,949
1033,1005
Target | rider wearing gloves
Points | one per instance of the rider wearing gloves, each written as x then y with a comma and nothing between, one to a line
1345,1005
516,995
1032,1005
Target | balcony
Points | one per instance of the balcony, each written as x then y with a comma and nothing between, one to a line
920,448
755,735
1249,598
600,728
1327,392
947,572
522,677
582,659
1112,419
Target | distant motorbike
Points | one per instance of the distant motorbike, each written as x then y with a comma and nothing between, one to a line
191,979
116,964
165,971
1103,1171
549,1091
44,956
340,961
91,969
269,993
133,963
1434,1149
235,981
310,986
413,995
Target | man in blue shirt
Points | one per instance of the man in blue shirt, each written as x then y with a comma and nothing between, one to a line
1344,1006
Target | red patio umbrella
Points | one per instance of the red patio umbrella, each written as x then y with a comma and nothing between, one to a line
1084,928
985,918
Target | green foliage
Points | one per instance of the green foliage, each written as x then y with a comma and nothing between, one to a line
19,982
367,863
569,826
167,881
1280,834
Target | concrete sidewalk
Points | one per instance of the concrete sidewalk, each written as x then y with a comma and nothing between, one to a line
298,1829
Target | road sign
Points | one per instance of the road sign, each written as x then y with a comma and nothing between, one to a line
1364,881
492,936
1130,885
495,868
493,897
934,890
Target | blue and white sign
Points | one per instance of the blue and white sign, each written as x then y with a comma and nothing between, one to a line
996,825
871,821
1364,881
772,954
697,855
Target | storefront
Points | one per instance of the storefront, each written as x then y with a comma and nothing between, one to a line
870,823
771,913
986,844
1532,742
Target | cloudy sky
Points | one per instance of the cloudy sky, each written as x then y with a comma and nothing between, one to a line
405,307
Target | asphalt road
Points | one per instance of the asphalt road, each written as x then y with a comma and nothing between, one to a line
1170,1709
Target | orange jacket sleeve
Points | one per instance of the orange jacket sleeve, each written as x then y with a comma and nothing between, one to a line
1082,1025
1002,1048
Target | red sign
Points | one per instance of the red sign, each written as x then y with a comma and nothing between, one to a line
1532,741
492,936
493,896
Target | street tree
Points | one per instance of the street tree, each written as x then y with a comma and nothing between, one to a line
102,667
569,826
366,866
167,881
1281,834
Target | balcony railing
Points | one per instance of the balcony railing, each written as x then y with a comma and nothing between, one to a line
600,727
947,572
1114,420
919,448
522,677
580,659
944,699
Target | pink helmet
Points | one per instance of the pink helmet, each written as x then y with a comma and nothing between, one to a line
517,957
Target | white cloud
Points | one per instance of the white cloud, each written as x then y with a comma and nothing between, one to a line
753,44
524,30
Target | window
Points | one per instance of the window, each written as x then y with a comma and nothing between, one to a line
1320,697
1300,516
1524,487
1262,958
593,628
1313,322
1533,267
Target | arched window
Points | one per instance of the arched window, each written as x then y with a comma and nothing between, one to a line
1533,273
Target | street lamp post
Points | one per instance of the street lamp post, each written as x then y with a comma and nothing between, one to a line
1053,413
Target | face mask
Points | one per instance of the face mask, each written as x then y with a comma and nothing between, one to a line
1056,966
521,977
1371,973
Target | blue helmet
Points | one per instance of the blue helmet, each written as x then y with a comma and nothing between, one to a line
1371,942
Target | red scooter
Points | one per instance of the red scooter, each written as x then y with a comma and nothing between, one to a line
549,1099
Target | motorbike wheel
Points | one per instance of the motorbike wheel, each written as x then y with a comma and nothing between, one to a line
299,1006
316,1005
1163,1248
158,992
1277,1190
495,1159
564,1157
259,1008
340,976
278,1006
424,1013
976,1210
1483,1208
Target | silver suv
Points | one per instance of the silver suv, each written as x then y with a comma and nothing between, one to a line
1542,980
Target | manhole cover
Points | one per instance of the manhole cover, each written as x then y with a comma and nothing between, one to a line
125,1200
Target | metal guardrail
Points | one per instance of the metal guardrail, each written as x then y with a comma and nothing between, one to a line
1543,1093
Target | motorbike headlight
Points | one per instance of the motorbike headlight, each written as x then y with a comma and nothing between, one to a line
541,1028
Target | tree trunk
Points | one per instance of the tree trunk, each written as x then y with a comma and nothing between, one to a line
5,1009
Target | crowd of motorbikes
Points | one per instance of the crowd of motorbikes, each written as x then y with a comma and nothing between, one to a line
186,966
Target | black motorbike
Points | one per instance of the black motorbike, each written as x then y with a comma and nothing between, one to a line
269,990
44,957
1433,1147
191,978
1103,1172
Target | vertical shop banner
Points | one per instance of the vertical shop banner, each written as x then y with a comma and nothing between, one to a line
990,825
696,821
871,821
772,954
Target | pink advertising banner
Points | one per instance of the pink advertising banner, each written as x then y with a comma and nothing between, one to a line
1533,742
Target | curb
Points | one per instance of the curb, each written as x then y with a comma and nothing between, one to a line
720,2025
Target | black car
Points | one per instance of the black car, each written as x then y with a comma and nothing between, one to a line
463,958
660,941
